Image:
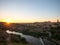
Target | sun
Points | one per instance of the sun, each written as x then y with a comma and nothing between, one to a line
8,20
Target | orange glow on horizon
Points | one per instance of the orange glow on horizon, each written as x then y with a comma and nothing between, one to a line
7,20
24,21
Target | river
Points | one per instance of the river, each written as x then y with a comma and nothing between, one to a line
32,40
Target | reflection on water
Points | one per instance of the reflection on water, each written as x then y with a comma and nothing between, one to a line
32,40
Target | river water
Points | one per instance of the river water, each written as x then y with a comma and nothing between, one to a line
32,40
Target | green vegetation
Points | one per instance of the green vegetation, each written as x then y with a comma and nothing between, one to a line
35,34
18,39
3,37
55,33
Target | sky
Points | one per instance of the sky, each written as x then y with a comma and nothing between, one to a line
29,10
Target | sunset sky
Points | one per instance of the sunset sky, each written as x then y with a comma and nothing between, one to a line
29,10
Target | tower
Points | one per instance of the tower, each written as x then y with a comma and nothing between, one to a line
57,20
